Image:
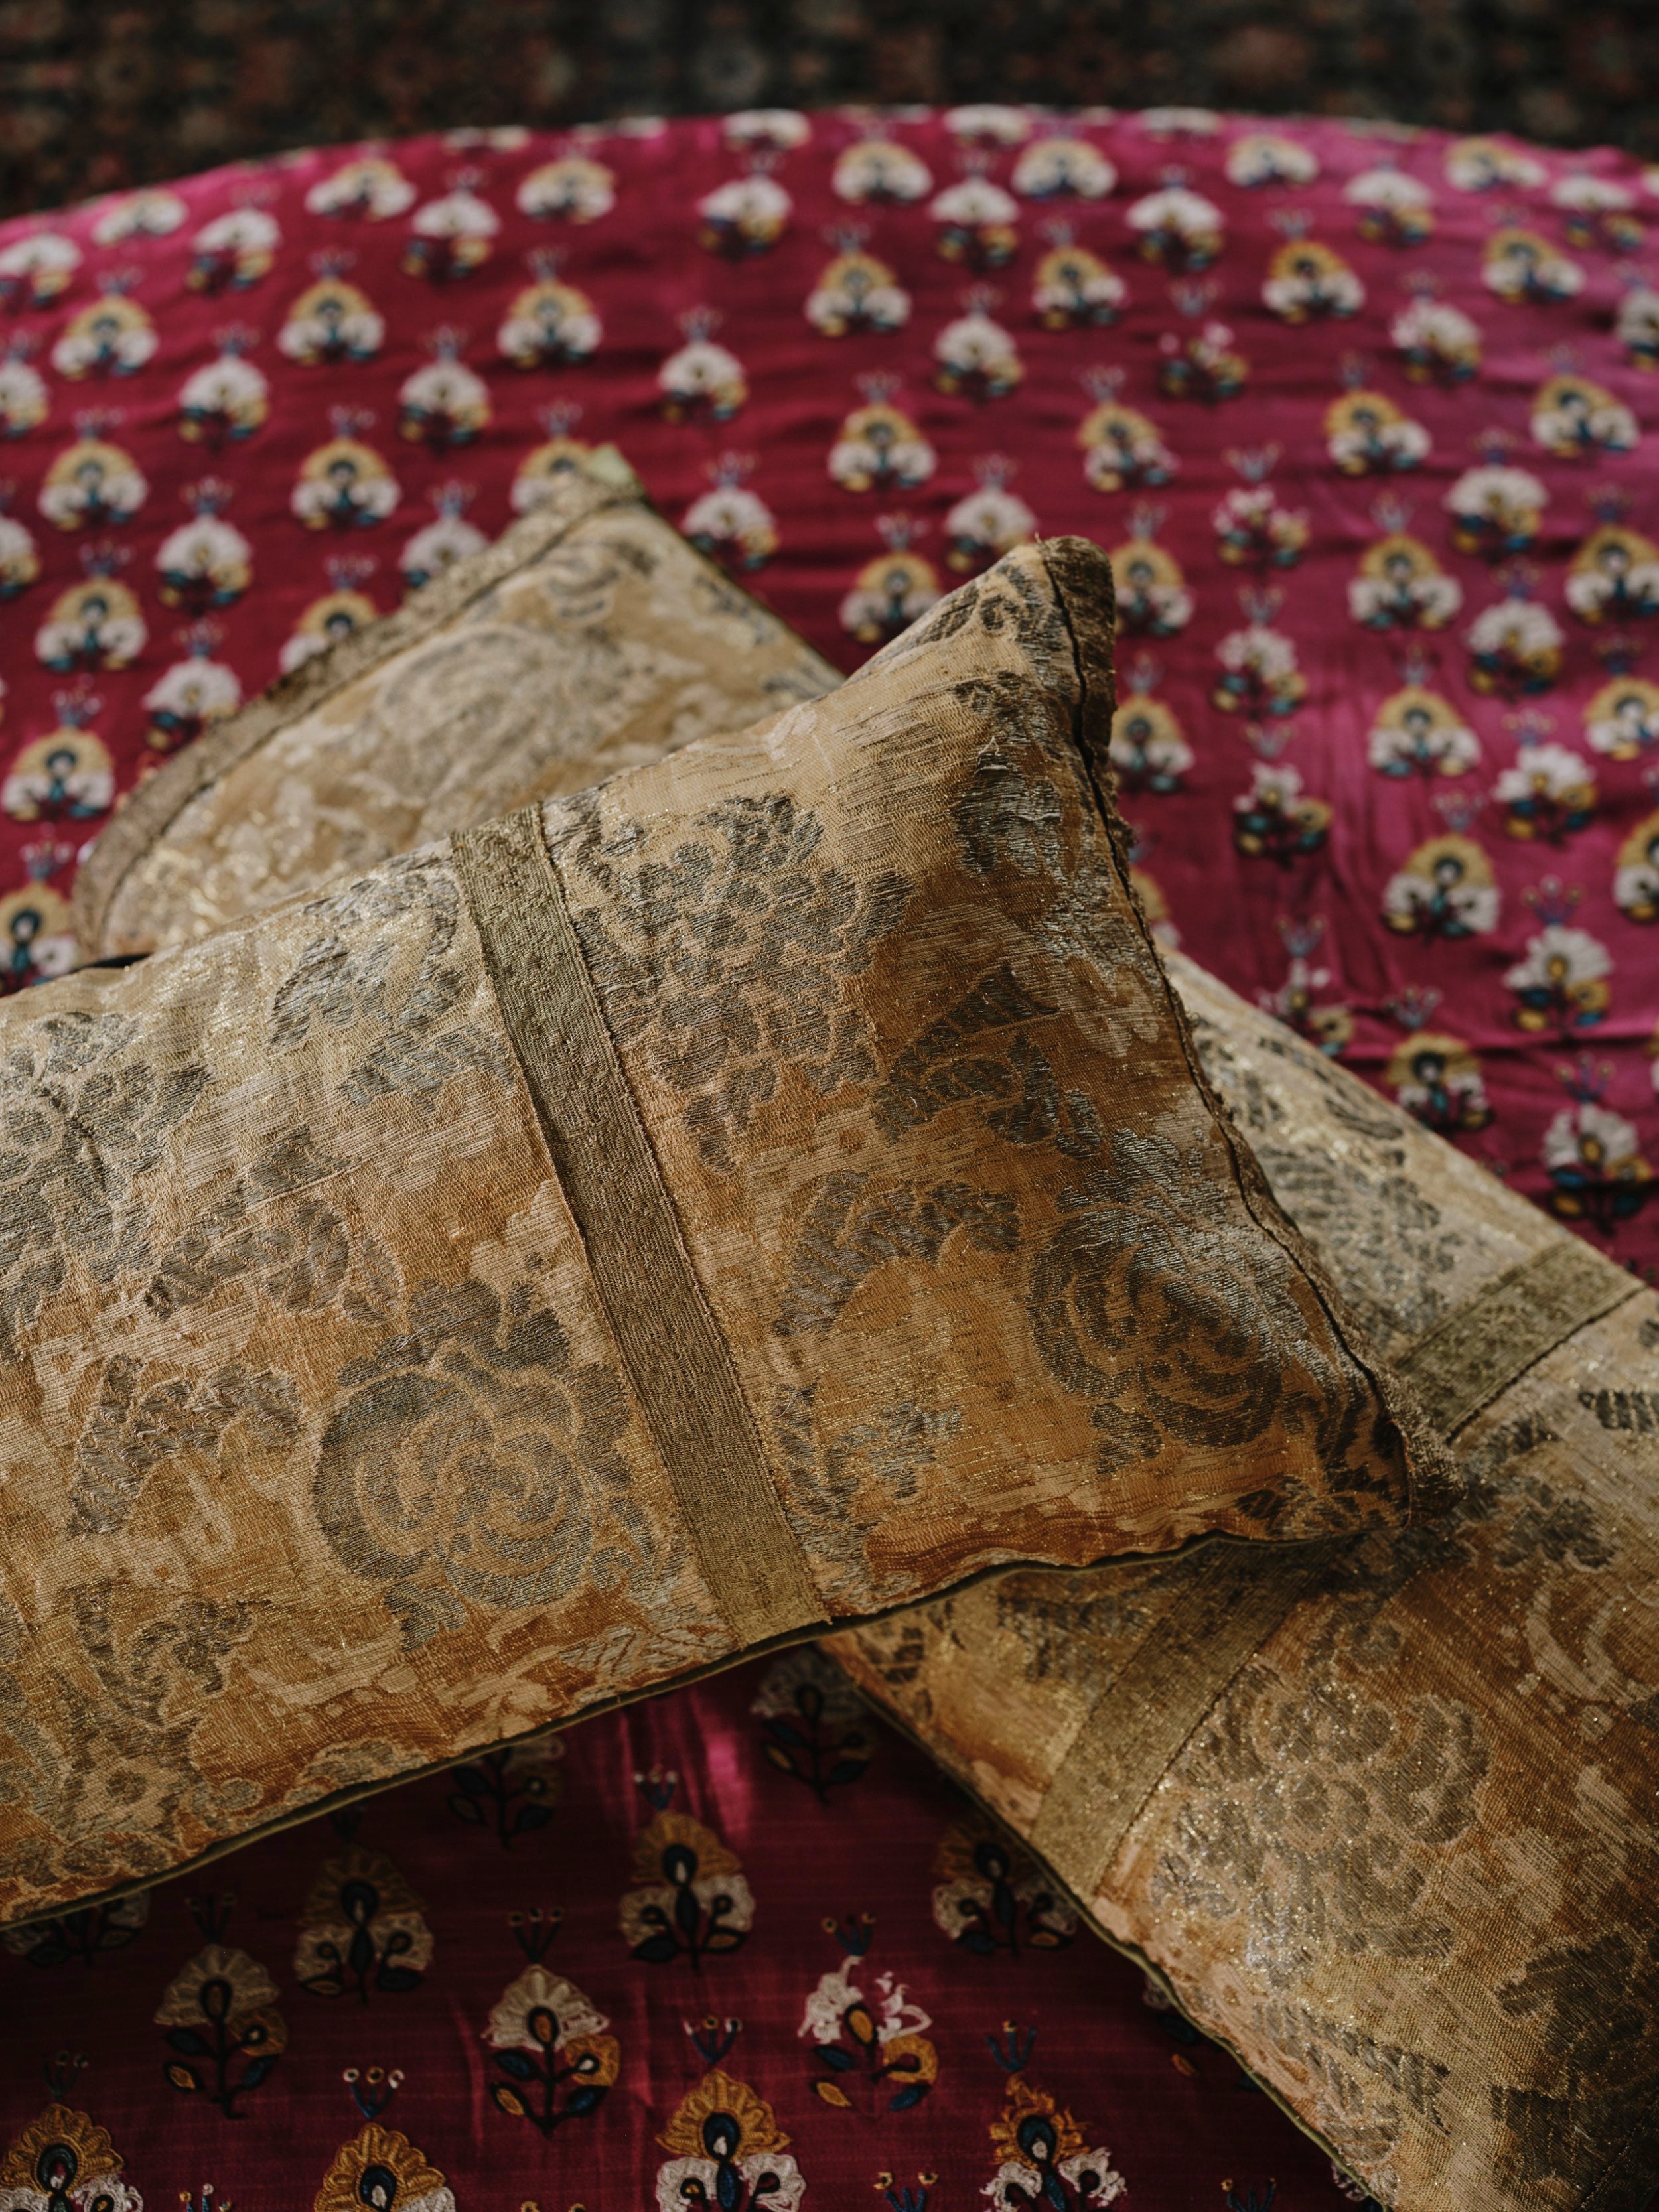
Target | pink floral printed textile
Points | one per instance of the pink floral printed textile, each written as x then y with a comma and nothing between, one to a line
1367,417
1370,421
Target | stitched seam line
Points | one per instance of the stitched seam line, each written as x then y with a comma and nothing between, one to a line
681,1368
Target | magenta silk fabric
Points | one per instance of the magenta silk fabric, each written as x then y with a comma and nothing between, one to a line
1369,415
841,1886
1393,726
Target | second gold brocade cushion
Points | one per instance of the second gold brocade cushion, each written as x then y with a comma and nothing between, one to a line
761,1191
591,638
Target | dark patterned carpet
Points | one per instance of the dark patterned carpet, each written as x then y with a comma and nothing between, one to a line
95,93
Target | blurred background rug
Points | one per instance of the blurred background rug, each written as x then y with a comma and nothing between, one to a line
95,95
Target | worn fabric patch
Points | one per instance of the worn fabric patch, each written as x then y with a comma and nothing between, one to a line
589,638
1380,1811
756,1194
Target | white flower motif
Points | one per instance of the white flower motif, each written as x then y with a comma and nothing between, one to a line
1580,427
1515,626
44,253
1097,288
972,343
905,600
445,387
825,2005
1063,165
1628,724
537,1989
892,2010
676,2176
123,344
1390,190
576,187
1265,158
1176,208
1543,772
1637,323
1432,326
1474,908
1497,493
729,515
1592,195
206,547
833,308
976,200
1298,292
317,498
1450,747
878,169
112,639
458,214
112,491
358,331
1479,165
1515,272
227,386
784,127
372,188
1180,122
18,557
1401,442
243,230
1559,957
440,546
756,205
702,370
23,399
195,691
1635,886
909,461
1255,649
1587,1129
1431,599
992,518
1591,590
1005,126
139,215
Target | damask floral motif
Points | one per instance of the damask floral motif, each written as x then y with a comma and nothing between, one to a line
469,1394
1331,1807
728,959
362,1929
69,1201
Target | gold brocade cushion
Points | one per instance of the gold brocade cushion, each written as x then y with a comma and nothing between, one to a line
1384,1813
755,1194
592,637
